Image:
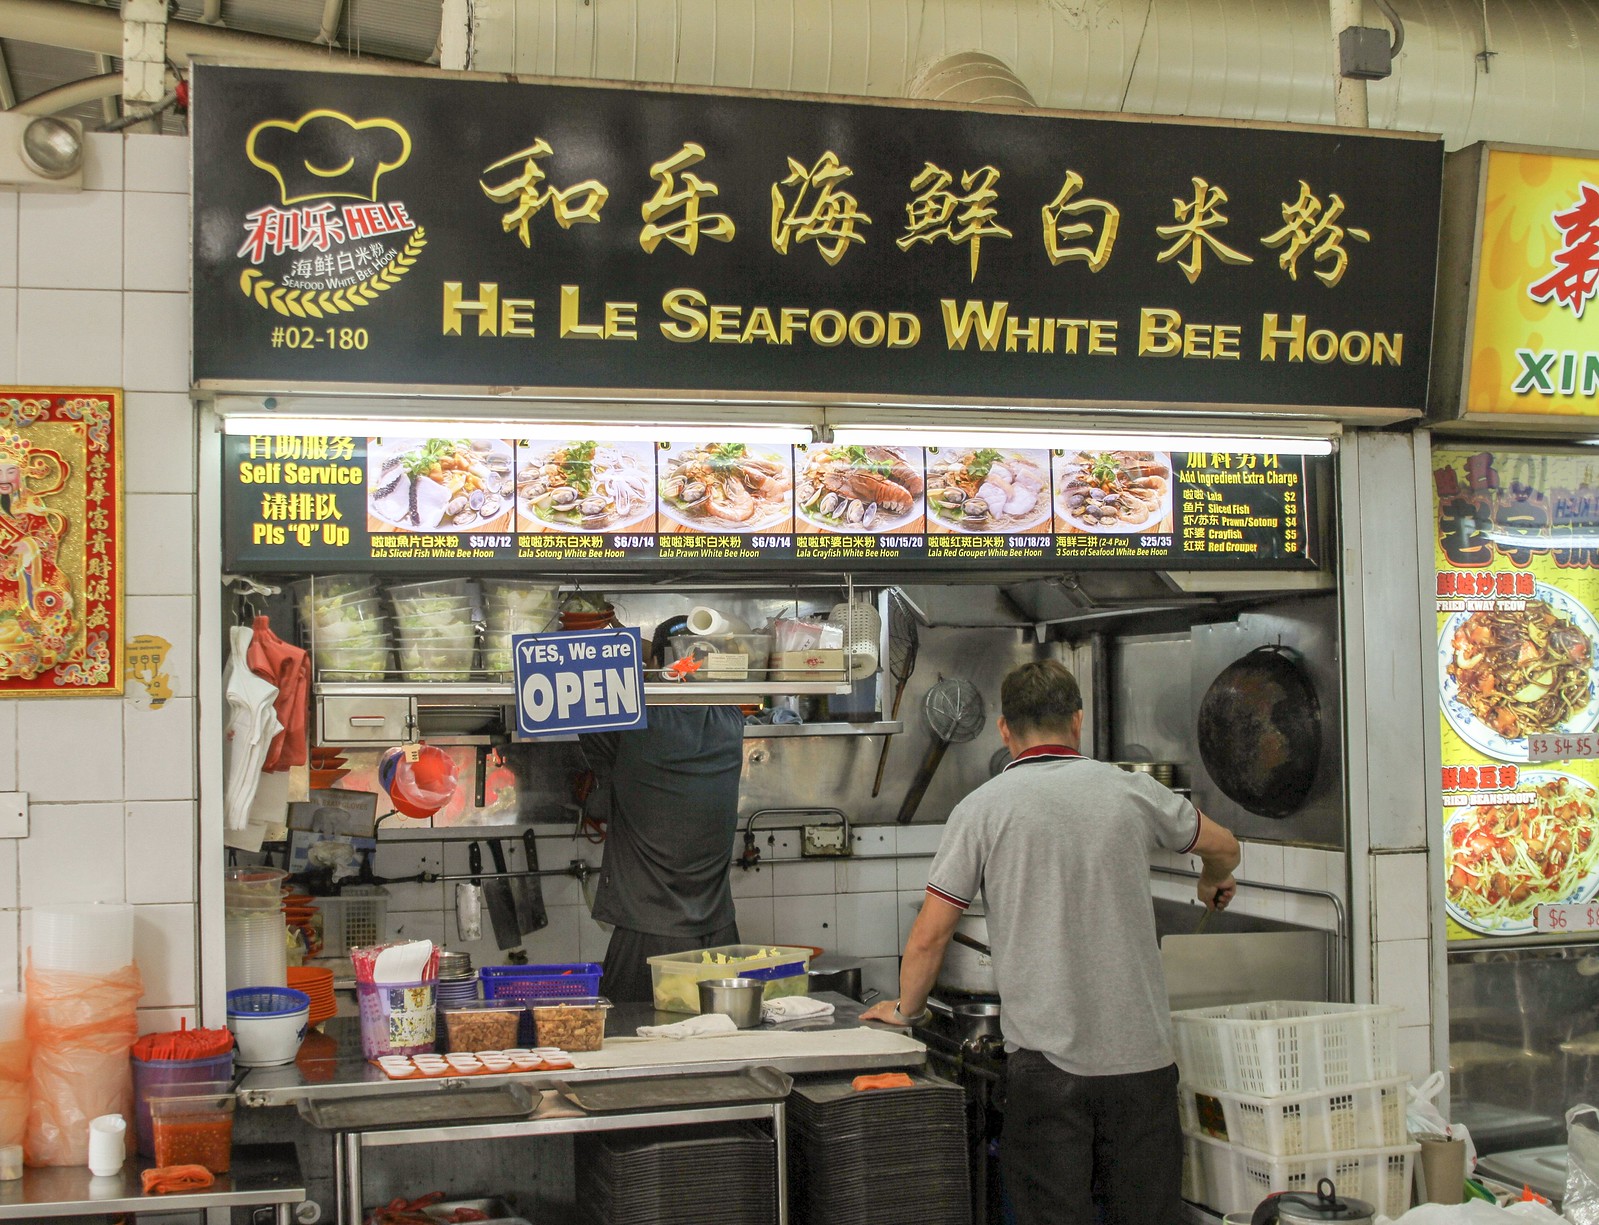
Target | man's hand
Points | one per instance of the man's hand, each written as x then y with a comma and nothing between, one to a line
1217,894
887,1012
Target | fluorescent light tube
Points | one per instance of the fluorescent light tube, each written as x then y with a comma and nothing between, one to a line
1077,440
477,427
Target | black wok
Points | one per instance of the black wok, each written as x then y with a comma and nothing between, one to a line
1260,732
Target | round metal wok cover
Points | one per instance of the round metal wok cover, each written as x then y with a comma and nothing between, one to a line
1260,731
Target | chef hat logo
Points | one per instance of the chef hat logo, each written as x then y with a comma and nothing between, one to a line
326,153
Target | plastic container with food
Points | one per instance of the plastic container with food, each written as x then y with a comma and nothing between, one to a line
489,1025
196,1127
432,589
676,976
722,657
367,663
572,1024
437,663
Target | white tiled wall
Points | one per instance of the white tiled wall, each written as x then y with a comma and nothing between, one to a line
94,292
1401,918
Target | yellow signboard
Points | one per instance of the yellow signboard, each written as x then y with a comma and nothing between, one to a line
1533,344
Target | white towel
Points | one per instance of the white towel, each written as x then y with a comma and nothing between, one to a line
707,1025
793,1008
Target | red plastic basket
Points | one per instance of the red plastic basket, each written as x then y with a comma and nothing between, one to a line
578,978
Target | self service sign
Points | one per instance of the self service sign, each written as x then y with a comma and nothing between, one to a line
590,681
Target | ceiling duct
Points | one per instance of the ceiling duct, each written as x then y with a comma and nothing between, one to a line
971,78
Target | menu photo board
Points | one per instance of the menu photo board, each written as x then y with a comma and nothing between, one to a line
1517,583
296,503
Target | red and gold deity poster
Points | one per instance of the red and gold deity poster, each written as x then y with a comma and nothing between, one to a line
60,541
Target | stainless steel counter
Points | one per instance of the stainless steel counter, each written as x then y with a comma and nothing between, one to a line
334,1066
262,1175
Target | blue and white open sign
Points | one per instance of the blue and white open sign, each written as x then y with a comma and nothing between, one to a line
586,681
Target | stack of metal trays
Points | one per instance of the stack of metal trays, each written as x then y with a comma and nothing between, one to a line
850,1153
707,1174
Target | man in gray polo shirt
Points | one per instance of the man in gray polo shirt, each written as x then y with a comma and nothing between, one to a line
1060,846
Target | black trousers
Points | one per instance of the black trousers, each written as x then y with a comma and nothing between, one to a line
627,977
1081,1149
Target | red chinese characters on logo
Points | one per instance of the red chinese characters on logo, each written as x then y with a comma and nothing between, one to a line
290,229
1480,778
1575,278
1498,582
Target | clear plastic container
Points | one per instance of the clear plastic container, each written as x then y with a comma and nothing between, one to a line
676,976
722,657
484,1026
364,663
420,663
195,1128
576,1024
335,612
432,589
153,1078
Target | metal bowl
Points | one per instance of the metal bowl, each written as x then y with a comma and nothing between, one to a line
739,998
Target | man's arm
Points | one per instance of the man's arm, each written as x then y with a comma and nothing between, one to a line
1218,851
918,967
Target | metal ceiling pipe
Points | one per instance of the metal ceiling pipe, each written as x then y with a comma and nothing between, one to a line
88,27
73,93
972,78
211,15
328,35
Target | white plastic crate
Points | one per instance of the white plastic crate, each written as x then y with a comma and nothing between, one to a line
1225,1178
1279,1047
354,919
1322,1121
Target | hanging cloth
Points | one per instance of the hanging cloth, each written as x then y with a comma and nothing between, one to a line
252,723
288,669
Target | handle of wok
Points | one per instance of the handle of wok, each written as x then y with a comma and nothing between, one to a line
919,784
969,942
882,758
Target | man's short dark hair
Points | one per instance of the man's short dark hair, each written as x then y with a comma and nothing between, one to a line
1042,696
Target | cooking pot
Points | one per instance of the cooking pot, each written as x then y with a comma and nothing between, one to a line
1260,731
1320,1208
974,1021
965,969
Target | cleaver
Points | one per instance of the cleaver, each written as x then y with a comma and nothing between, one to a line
529,891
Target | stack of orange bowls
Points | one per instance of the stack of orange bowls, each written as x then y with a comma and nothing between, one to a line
316,982
326,767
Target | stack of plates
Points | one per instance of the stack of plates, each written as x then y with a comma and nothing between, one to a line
851,1153
715,1174
317,983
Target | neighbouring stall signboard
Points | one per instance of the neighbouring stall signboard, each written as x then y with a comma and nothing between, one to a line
293,503
450,233
1517,551
1521,336
61,542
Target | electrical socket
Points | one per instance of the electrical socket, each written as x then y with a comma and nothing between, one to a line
823,840
13,814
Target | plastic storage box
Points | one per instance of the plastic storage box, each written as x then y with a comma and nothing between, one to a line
723,657
1278,1047
676,976
196,1128
1349,1117
567,980
1225,1178
490,1025
166,1078
571,1024
354,919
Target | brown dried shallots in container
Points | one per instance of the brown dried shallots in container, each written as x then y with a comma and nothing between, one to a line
576,1024
489,1025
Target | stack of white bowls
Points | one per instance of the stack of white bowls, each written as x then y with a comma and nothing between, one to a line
435,624
96,939
515,606
346,626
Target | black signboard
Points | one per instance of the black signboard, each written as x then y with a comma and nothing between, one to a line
404,232
491,504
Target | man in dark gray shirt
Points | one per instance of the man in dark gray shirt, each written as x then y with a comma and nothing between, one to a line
673,817
1060,846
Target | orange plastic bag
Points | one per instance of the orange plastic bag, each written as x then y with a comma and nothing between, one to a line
81,1027
13,1090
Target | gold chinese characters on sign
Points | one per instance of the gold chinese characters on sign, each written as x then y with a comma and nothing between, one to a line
60,542
810,205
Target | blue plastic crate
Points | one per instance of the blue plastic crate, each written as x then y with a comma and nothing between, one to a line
578,978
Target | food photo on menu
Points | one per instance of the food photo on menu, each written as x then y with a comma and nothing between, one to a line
585,486
1536,845
1113,491
987,490
725,487
439,484
1520,668
859,489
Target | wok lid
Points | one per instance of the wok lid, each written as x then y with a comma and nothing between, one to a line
1260,731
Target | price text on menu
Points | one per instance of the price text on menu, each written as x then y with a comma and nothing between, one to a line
298,503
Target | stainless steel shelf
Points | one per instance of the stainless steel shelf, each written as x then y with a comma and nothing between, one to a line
501,693
754,731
